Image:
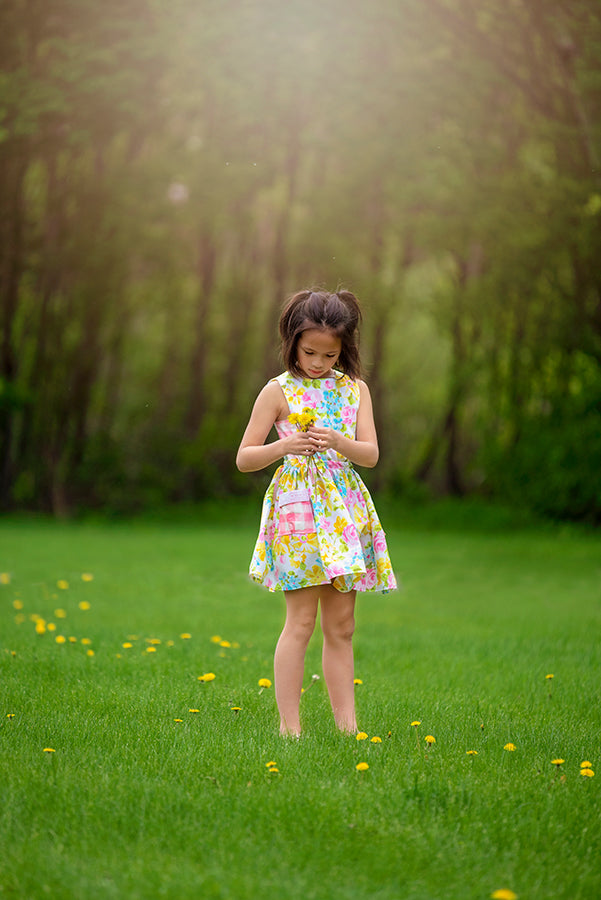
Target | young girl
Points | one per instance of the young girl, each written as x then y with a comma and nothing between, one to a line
320,538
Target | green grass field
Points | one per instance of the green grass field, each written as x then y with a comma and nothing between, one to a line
158,788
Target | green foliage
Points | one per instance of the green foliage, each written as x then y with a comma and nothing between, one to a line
172,171
135,803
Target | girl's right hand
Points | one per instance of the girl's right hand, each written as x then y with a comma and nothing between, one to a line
299,443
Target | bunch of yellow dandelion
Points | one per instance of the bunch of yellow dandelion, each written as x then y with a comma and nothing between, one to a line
586,769
304,419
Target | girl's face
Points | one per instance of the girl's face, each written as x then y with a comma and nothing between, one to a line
317,351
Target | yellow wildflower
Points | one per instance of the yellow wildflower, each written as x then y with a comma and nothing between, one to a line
362,767
83,604
193,710
86,641
51,626
208,676
304,420
376,740
126,645
430,739
585,764
357,681
235,709
40,626
362,736
86,576
62,584
415,724
216,639
270,763
472,752
264,683
178,720
17,604
224,644
90,653
60,613
10,715
510,747
549,676
60,639
72,640
151,649
503,894
185,636
49,750
4,578
588,772
557,762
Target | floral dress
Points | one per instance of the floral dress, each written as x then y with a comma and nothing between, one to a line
319,523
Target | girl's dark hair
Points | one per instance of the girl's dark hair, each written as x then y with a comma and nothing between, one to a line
338,312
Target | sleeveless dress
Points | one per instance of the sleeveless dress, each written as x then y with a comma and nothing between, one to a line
318,522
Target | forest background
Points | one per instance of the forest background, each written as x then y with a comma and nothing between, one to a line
171,171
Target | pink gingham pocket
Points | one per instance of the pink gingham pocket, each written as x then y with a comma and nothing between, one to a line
295,512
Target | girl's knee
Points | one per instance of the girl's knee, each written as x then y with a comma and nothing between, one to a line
339,627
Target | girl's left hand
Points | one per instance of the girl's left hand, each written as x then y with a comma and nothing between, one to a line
325,438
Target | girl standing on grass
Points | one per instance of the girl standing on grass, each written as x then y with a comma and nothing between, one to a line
320,538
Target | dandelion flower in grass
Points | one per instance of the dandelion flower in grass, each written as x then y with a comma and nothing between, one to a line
357,681
87,576
62,584
40,627
274,770
83,604
586,764
376,740
185,636
430,739
362,767
208,676
51,626
153,641
235,709
588,773
503,894
362,736
60,639
60,613
472,752
72,640
509,747
271,763
224,644
416,723
548,677
557,762
216,639
10,715
178,720
90,653
151,649
4,578
49,750
127,645
264,683
193,710
86,641
17,604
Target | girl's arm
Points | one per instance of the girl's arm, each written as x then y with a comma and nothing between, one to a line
253,453
363,451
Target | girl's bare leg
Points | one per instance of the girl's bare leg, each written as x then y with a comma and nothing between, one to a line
289,660
338,625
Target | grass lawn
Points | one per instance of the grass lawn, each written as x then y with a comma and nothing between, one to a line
158,788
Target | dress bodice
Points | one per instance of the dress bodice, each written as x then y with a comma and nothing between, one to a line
335,401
